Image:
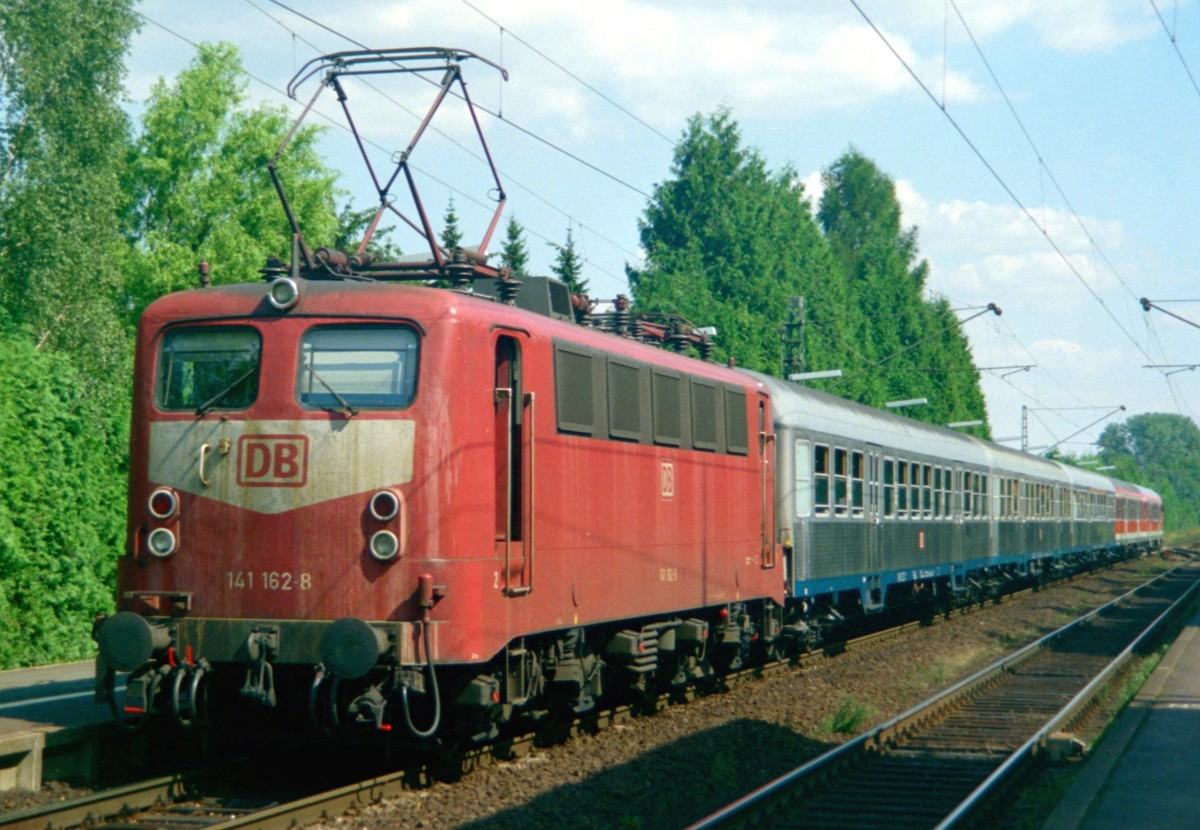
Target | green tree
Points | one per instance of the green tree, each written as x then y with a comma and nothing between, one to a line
727,243
515,254
352,227
568,265
910,346
62,146
1161,451
198,187
451,235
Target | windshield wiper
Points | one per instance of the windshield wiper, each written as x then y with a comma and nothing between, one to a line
342,402
217,398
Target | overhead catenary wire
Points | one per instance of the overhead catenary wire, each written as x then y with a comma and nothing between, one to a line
633,255
501,118
996,175
1175,45
1043,167
448,186
566,71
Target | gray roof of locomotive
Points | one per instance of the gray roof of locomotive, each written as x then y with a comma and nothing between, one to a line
805,409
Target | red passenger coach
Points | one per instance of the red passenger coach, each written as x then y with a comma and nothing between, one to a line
385,483
1139,519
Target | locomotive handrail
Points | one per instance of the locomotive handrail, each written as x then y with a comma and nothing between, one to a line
529,543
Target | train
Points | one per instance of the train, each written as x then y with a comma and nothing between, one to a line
427,499
426,509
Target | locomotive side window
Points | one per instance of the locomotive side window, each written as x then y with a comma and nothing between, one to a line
704,416
213,367
624,401
667,403
351,366
737,439
821,479
573,391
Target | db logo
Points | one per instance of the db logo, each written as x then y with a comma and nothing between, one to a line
272,460
667,479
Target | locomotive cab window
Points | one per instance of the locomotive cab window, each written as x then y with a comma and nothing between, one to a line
212,367
369,366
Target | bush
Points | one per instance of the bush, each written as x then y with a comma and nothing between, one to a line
62,502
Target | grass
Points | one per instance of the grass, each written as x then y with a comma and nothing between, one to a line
848,719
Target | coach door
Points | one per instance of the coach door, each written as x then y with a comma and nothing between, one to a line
873,508
514,466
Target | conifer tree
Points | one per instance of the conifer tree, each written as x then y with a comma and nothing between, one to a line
451,235
728,242
911,345
515,254
568,266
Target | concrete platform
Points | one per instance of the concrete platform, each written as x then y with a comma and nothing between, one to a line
49,723
1145,771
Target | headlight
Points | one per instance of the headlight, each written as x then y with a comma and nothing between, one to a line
161,542
385,546
163,503
385,505
283,293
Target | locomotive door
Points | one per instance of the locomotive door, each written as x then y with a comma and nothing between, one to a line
514,465
770,548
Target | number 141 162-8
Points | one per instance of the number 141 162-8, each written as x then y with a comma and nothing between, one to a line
267,581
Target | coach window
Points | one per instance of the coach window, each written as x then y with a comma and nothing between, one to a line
889,488
351,366
902,489
213,367
821,480
926,491
803,465
914,490
981,507
966,494
947,493
857,465
841,479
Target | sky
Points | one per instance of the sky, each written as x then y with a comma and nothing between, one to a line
1045,152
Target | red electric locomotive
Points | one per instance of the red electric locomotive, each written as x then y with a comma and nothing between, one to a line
371,500
399,486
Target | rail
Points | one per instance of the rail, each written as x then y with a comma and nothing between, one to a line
748,810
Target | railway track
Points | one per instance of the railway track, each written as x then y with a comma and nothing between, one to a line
945,762
193,801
